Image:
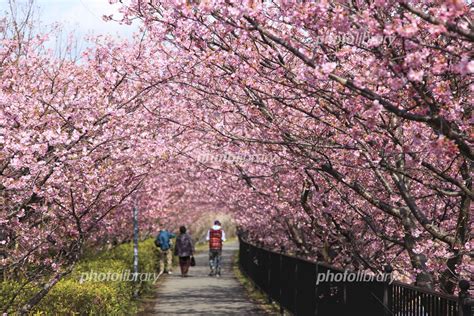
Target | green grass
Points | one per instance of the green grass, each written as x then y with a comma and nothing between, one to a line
203,246
71,297
252,290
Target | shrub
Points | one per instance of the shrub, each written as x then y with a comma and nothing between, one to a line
71,297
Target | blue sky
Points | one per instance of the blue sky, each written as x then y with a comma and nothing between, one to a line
79,16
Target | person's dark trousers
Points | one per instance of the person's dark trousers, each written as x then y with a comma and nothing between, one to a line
215,261
184,263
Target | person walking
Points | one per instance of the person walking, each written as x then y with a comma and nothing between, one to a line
215,236
184,249
163,241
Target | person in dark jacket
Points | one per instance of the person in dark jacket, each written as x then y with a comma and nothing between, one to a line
163,240
184,249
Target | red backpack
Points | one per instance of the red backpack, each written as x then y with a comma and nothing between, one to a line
215,239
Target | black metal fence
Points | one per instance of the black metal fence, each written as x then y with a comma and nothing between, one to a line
294,284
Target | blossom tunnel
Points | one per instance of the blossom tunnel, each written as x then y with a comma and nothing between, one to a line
351,150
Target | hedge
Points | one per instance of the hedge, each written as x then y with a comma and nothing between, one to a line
91,297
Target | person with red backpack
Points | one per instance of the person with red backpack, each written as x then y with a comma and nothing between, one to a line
215,236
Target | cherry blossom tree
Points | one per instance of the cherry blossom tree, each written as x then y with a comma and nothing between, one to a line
370,101
339,131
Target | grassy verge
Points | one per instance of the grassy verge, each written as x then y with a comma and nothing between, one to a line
204,245
252,291
92,296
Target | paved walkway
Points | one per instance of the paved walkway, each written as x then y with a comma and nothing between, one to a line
200,294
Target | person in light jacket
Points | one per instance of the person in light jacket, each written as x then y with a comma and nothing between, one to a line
215,236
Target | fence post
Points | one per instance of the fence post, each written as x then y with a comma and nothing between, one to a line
135,248
465,301
282,310
269,277
387,295
295,290
317,294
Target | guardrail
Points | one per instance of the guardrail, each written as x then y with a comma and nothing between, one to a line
295,284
